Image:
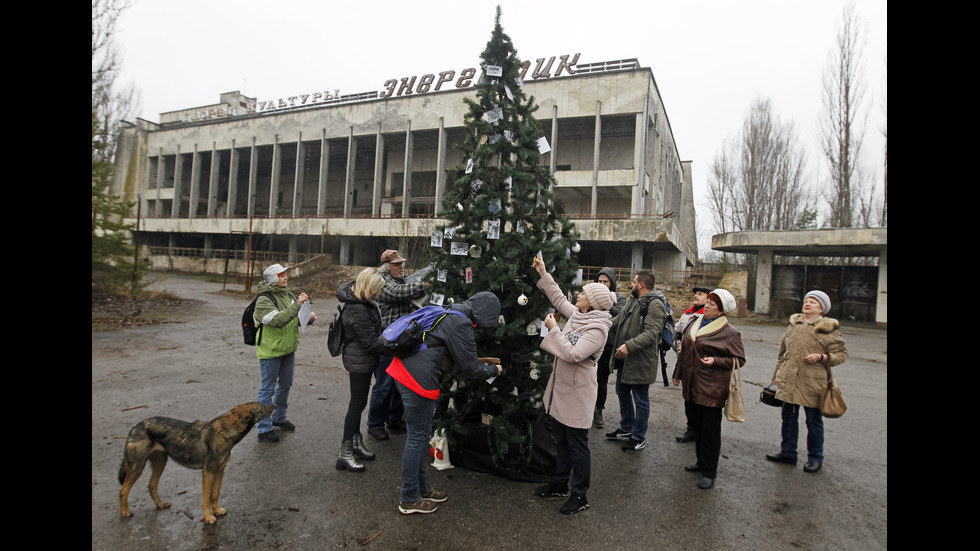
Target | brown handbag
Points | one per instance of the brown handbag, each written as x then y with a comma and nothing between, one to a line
832,403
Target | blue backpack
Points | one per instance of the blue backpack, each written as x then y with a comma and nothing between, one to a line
666,336
406,335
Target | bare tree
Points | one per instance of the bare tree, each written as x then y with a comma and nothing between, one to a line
757,181
842,126
111,104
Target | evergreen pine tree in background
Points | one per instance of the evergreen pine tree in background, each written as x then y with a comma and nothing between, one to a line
500,212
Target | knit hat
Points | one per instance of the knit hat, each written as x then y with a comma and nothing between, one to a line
822,298
600,297
271,274
726,300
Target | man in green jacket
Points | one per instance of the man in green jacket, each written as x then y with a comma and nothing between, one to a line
637,329
276,347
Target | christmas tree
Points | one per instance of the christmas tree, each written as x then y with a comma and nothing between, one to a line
500,213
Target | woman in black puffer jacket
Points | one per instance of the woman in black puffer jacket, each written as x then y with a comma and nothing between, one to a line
361,322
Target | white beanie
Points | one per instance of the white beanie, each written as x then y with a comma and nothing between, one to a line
727,301
820,297
271,274
599,296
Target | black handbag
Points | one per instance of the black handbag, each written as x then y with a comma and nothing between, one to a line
768,396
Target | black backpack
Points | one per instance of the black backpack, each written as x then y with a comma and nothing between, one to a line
251,332
335,336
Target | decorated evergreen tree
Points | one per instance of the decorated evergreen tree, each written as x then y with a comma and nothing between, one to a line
500,213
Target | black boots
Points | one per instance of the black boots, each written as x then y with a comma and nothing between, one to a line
360,451
346,459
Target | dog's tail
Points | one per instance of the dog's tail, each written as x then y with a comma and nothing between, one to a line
135,434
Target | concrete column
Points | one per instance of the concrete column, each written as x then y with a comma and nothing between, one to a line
178,171
636,260
763,280
213,180
291,257
881,307
595,158
274,183
298,178
321,196
379,167
345,251
349,182
441,166
232,181
253,163
195,184
161,170
407,180
639,155
554,139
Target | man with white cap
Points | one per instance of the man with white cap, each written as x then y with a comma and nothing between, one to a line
278,313
395,300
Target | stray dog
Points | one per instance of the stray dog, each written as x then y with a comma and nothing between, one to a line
197,445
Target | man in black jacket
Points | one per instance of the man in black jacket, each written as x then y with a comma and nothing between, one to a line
450,343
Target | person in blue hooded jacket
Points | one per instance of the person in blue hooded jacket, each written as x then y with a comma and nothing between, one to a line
418,378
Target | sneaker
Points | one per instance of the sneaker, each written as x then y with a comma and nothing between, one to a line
553,489
597,421
619,434
378,433
270,436
574,504
437,496
420,506
396,425
633,444
284,425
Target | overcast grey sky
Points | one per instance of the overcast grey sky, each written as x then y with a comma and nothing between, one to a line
710,58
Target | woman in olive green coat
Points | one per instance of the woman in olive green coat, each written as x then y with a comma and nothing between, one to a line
810,347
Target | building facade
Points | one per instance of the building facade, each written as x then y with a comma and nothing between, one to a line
348,174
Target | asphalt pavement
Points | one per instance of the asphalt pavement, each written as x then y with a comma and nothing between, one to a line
289,495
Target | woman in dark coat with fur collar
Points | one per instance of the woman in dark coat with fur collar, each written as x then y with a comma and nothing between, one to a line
708,352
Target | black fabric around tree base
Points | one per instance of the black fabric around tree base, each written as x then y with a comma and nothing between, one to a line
474,453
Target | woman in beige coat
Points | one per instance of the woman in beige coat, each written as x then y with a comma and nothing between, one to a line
572,388
810,347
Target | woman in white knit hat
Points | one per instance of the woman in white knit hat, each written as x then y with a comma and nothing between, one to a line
708,352
572,388
811,345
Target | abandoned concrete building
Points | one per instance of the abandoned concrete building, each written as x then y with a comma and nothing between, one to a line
345,175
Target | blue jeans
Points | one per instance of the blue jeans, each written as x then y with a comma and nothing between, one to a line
791,432
277,378
634,407
415,458
386,404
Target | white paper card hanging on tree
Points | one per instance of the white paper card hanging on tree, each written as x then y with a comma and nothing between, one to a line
448,233
509,182
495,70
510,95
511,137
493,229
436,240
519,227
459,248
441,276
494,115
437,299
578,277
469,274
469,165
543,146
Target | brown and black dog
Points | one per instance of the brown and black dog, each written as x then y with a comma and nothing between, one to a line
197,445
